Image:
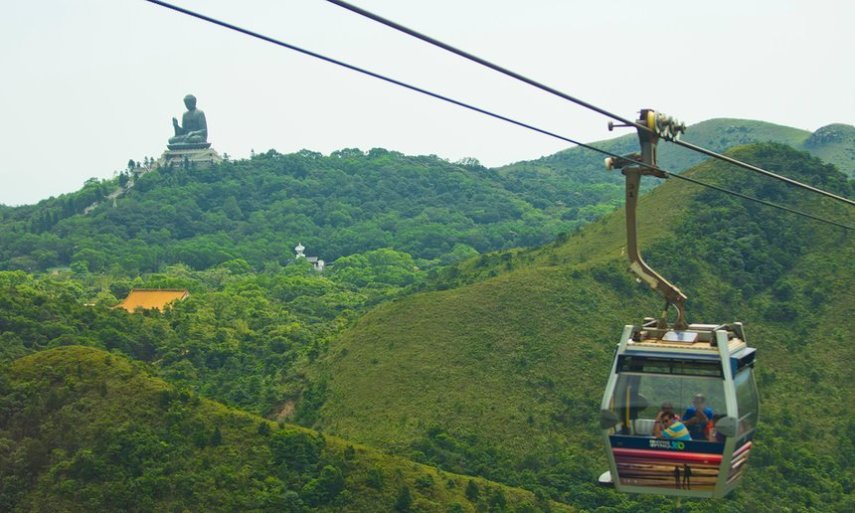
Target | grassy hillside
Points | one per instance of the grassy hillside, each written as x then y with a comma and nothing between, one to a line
834,144
83,430
553,179
240,338
345,203
586,166
260,209
503,377
496,374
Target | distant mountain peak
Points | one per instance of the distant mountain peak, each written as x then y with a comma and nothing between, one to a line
833,133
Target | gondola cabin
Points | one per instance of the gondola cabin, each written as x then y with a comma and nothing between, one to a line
680,407
704,368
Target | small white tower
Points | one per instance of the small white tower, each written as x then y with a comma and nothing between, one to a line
299,249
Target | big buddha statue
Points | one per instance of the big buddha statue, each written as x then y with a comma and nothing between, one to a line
192,133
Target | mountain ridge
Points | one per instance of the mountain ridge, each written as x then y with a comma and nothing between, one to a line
145,445
523,344
347,203
493,361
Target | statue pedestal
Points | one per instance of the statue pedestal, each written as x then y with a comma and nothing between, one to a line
189,157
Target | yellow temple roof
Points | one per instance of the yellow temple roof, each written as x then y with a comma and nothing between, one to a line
152,298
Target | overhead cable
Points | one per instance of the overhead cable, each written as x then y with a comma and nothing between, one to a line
469,106
380,77
479,60
590,106
762,171
758,200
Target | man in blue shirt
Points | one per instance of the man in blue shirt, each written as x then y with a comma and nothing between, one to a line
697,416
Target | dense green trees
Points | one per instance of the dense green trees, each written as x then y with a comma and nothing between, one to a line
259,209
501,371
84,430
255,331
239,337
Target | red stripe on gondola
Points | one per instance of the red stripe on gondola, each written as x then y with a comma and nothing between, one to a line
742,449
688,457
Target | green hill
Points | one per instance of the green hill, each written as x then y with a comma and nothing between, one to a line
83,430
346,203
555,179
496,374
834,144
503,377
239,338
259,209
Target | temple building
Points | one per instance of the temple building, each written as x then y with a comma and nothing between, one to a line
148,299
316,262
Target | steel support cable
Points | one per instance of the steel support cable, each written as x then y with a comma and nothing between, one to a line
379,76
483,62
466,105
560,94
758,200
762,171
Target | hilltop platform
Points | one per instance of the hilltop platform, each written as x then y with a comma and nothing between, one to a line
193,157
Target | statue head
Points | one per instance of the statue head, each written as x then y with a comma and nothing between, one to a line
190,102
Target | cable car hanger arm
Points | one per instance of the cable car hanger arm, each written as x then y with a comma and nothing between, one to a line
645,165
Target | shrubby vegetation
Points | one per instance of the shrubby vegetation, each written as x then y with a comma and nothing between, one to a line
257,210
495,373
572,176
502,370
84,430
239,338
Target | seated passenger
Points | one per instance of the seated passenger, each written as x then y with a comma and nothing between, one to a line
712,434
666,407
674,429
697,416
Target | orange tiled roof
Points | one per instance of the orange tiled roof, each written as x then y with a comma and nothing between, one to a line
152,298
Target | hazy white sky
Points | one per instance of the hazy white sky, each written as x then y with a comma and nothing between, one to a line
89,84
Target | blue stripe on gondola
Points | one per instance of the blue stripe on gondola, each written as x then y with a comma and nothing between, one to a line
655,444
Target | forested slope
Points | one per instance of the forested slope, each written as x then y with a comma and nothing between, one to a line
503,377
554,178
83,430
496,374
346,203
240,338
260,209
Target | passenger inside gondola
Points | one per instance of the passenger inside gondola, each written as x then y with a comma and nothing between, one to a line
713,435
642,399
673,429
659,424
697,416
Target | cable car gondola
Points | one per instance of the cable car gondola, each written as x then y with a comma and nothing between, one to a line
703,371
